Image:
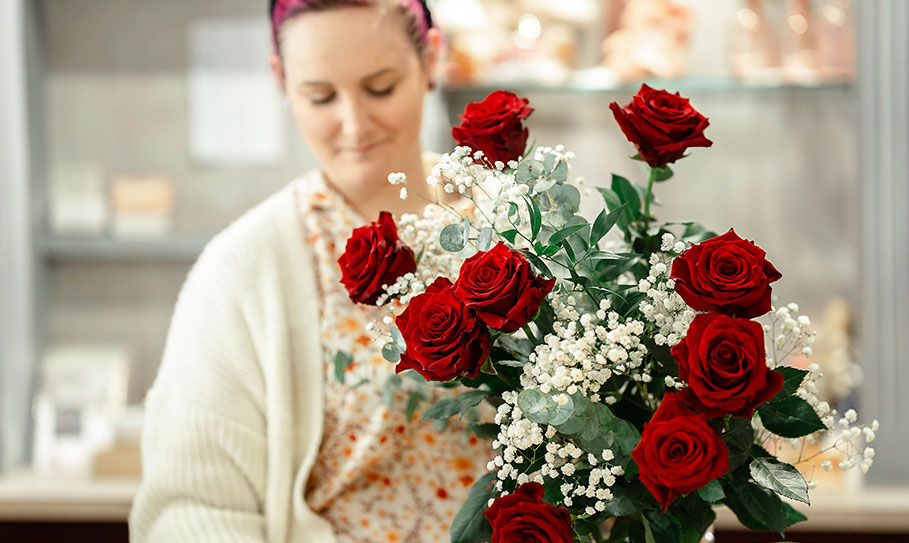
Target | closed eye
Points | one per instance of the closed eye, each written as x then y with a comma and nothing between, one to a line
381,92
321,99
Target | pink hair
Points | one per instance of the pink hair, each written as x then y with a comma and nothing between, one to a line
282,10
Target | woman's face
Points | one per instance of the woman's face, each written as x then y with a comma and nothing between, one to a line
355,84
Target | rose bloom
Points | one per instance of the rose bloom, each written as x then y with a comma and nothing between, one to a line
444,338
724,363
501,287
661,125
523,517
727,274
374,257
495,126
679,451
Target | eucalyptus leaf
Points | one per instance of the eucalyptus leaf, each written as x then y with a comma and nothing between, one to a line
543,409
391,352
566,197
529,171
398,338
416,398
543,185
484,238
342,362
457,405
392,384
452,238
560,173
779,477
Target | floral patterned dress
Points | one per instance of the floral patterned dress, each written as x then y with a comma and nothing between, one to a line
378,478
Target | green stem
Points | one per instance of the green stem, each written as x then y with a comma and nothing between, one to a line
647,197
530,336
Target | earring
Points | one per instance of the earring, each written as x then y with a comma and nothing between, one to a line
431,85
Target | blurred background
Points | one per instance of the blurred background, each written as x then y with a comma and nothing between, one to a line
132,131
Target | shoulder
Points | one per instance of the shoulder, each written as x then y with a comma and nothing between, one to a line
257,240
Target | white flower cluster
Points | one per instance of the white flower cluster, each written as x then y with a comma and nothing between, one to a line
458,172
663,307
788,332
585,351
583,475
843,436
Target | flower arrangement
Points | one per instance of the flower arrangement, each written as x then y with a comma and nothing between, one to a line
638,379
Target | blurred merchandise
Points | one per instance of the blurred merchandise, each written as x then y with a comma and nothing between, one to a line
835,25
142,206
793,41
833,353
78,204
496,42
798,55
83,392
652,40
754,53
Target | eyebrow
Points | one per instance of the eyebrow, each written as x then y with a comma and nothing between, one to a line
365,78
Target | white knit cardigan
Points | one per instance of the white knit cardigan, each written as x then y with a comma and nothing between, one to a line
234,419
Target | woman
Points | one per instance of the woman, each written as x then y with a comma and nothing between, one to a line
249,436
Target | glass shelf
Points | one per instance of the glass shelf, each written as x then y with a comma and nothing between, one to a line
75,249
587,83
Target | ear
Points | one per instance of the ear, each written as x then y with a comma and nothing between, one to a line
433,54
277,68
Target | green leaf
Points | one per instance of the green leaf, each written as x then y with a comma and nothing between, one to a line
529,171
628,500
791,417
560,172
483,431
542,408
660,527
443,409
470,525
536,217
648,531
779,477
565,197
739,437
613,202
604,223
662,174
392,384
391,352
452,238
416,398
543,185
484,239
510,235
627,195
712,492
565,233
536,261
548,162
792,379
398,338
755,507
342,362
793,516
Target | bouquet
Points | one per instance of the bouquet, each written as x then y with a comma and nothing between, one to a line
637,368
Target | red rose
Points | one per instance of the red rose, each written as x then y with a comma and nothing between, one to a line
679,451
500,286
661,125
444,338
523,517
727,274
724,363
495,126
374,257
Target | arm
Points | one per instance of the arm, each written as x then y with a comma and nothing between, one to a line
204,446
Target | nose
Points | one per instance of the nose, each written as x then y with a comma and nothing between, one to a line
355,119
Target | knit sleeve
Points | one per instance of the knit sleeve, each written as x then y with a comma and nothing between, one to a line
204,447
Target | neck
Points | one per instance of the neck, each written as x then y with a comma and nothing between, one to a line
371,196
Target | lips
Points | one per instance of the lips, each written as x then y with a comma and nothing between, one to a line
361,149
